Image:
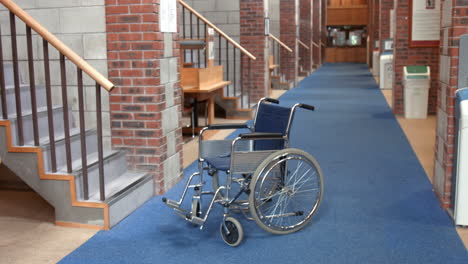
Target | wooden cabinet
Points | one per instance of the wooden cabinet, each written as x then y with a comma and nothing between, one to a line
346,54
352,15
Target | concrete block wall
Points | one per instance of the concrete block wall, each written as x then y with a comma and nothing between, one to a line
81,25
274,15
404,55
453,25
146,105
384,20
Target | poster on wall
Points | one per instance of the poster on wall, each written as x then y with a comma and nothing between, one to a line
168,15
424,23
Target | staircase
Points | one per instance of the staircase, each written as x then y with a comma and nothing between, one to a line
57,156
277,79
235,99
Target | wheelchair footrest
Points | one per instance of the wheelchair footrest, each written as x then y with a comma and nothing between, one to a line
195,219
171,203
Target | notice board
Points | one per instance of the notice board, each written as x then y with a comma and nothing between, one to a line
424,23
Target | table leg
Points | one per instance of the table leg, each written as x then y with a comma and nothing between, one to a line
195,111
210,106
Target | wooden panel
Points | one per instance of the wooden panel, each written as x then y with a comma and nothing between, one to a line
357,55
347,16
347,2
189,76
211,75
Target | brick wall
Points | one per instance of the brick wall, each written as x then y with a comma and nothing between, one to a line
252,38
316,32
145,105
404,55
454,24
288,34
305,55
384,20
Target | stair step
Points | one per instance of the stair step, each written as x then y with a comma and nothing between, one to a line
25,98
43,123
8,73
115,164
75,146
114,188
127,194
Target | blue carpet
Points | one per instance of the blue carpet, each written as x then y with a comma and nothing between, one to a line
378,204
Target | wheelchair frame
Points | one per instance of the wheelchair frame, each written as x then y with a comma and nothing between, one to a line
268,167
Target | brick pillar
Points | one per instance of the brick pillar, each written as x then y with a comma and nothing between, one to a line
404,55
252,38
306,34
323,31
145,105
316,25
384,20
288,35
452,27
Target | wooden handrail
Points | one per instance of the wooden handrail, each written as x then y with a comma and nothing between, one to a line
58,44
280,42
202,18
315,44
302,44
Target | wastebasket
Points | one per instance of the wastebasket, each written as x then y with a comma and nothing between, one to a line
386,70
375,62
460,181
417,83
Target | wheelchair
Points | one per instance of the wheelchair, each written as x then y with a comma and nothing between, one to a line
255,175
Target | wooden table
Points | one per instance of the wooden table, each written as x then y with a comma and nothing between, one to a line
203,93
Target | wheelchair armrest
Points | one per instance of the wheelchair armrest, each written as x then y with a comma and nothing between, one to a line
306,106
227,126
261,135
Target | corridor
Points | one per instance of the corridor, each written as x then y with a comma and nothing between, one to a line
378,203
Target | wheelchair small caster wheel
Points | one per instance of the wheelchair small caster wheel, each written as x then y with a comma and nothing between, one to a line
231,231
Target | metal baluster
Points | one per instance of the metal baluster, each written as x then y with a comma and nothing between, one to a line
250,86
191,36
2,82
99,138
66,123
14,50
50,110
219,50
32,85
227,65
206,46
183,31
235,70
84,162
242,79
198,36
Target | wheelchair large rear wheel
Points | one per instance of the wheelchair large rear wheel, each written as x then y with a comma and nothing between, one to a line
285,191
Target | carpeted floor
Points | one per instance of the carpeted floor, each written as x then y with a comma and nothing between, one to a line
378,205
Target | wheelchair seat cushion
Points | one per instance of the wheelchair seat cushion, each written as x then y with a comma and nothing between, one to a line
217,153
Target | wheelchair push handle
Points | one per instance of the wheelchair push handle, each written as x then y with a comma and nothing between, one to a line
271,100
306,106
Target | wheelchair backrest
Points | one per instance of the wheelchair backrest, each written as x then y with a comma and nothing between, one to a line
274,119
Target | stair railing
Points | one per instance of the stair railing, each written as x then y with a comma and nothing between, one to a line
231,54
81,66
276,45
303,49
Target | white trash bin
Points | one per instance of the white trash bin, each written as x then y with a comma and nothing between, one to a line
460,182
375,63
416,84
386,70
